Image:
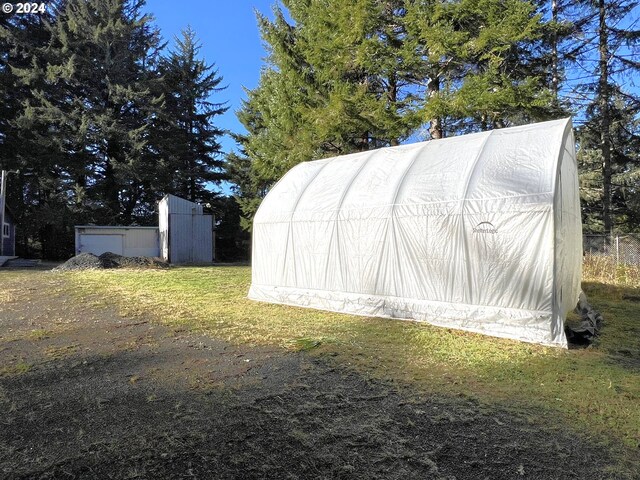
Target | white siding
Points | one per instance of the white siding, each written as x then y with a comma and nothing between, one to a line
163,224
180,205
127,241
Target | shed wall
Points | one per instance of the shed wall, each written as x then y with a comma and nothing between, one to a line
186,234
8,243
135,241
190,238
180,205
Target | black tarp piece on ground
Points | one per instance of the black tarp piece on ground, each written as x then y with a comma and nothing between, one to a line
590,324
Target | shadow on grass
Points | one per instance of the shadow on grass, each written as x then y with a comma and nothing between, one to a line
587,388
620,334
160,413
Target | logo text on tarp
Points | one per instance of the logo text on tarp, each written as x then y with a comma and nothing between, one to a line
485,227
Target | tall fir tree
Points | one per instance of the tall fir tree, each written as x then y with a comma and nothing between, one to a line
38,194
607,58
245,169
348,76
624,164
186,138
340,78
98,128
496,67
97,102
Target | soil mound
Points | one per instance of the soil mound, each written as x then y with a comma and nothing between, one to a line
89,261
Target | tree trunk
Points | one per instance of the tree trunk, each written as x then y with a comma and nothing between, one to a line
554,52
435,127
392,95
131,202
363,142
192,182
605,121
191,154
110,184
483,123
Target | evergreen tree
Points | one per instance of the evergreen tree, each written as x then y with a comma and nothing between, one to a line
232,241
186,138
339,80
624,137
346,67
97,102
344,76
250,182
496,72
562,37
96,126
610,38
608,57
38,194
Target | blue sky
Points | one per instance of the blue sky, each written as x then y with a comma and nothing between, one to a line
230,39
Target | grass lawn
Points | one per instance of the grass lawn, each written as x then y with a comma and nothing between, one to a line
597,390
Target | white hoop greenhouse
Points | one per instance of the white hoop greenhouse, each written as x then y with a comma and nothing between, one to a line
479,232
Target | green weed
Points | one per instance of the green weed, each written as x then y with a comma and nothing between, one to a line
15,369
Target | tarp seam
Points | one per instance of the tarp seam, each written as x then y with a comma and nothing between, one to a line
406,299
463,202
334,231
454,202
393,206
293,212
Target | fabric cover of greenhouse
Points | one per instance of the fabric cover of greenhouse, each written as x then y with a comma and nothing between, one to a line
478,232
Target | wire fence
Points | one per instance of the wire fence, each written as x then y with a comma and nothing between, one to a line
622,249
613,259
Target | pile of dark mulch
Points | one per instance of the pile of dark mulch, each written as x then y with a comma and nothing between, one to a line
88,261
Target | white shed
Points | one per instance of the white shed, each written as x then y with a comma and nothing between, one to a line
127,241
479,232
186,233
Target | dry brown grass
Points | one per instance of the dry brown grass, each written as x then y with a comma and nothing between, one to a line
603,269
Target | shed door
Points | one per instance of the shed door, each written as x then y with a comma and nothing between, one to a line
101,243
191,238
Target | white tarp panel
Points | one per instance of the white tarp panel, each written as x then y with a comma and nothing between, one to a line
479,232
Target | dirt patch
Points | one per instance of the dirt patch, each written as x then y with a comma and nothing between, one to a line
89,261
111,397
